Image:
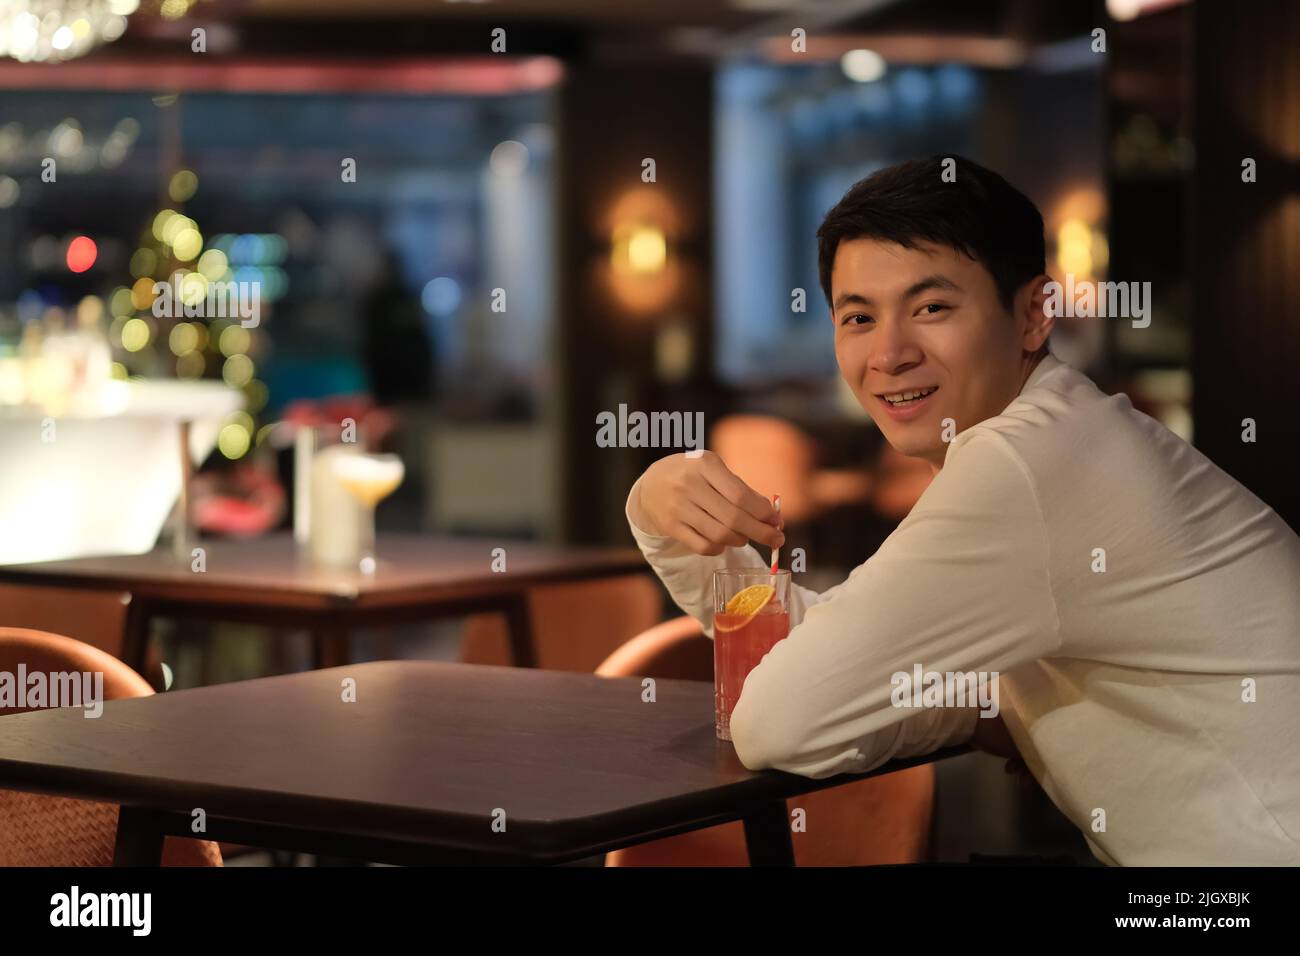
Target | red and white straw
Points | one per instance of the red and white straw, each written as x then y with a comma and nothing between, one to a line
776,552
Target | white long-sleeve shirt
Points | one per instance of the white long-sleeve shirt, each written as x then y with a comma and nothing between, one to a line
1156,701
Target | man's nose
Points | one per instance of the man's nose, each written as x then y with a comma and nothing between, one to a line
892,349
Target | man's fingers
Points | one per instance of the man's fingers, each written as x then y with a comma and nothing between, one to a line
711,528
740,521
725,482
694,540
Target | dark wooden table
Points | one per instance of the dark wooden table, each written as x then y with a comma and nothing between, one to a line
269,581
416,770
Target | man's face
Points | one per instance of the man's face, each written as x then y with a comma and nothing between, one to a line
923,320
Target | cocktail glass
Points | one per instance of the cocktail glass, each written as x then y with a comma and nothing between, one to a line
750,616
370,479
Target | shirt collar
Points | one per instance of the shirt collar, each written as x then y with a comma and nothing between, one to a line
1045,367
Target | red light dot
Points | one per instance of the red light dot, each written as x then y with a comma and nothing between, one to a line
81,253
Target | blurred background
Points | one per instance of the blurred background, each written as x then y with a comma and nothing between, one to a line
462,241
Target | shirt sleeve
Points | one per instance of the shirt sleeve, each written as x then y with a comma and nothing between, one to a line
689,576
962,585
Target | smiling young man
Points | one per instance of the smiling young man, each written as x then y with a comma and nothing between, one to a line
1138,608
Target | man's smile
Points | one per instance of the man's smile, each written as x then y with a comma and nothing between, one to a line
906,395
907,403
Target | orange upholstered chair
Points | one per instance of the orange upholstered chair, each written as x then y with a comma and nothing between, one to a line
41,830
576,625
871,822
773,457
94,617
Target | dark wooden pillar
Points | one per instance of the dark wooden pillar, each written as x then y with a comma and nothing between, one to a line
1246,259
612,117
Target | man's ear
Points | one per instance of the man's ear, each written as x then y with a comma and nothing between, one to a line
1037,311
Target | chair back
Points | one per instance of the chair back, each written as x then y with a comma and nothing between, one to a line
575,625
94,617
41,830
772,456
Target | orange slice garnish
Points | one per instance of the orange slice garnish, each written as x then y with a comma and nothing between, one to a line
745,604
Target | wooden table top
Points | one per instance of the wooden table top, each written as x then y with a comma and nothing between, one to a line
273,570
427,754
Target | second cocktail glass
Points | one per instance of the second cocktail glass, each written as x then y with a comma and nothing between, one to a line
370,479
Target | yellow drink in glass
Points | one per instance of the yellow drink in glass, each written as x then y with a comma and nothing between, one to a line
370,479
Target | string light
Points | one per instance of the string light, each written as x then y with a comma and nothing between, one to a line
40,31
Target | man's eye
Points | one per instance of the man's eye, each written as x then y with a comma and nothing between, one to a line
934,308
857,318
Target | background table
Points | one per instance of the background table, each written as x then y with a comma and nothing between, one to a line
417,769
268,581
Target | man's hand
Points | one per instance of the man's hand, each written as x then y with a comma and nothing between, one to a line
992,737
698,501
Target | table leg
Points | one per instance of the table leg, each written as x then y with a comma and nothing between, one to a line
329,646
139,839
135,637
519,624
767,835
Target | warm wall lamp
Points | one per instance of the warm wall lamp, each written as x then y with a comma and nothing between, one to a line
638,249
646,251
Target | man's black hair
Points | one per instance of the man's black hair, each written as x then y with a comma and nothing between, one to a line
979,214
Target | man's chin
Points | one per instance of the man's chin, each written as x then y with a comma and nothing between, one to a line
908,442
913,439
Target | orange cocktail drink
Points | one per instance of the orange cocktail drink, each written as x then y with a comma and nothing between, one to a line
750,615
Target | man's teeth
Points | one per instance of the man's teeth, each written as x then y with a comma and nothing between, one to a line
903,398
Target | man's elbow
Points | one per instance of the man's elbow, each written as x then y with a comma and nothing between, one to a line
769,733
766,736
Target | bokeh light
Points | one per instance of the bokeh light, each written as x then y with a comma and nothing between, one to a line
175,226
81,253
256,395
213,264
863,66
160,222
1074,246
191,365
184,338
237,371
120,302
143,262
135,334
183,185
234,440
194,288
187,244
234,340
142,293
